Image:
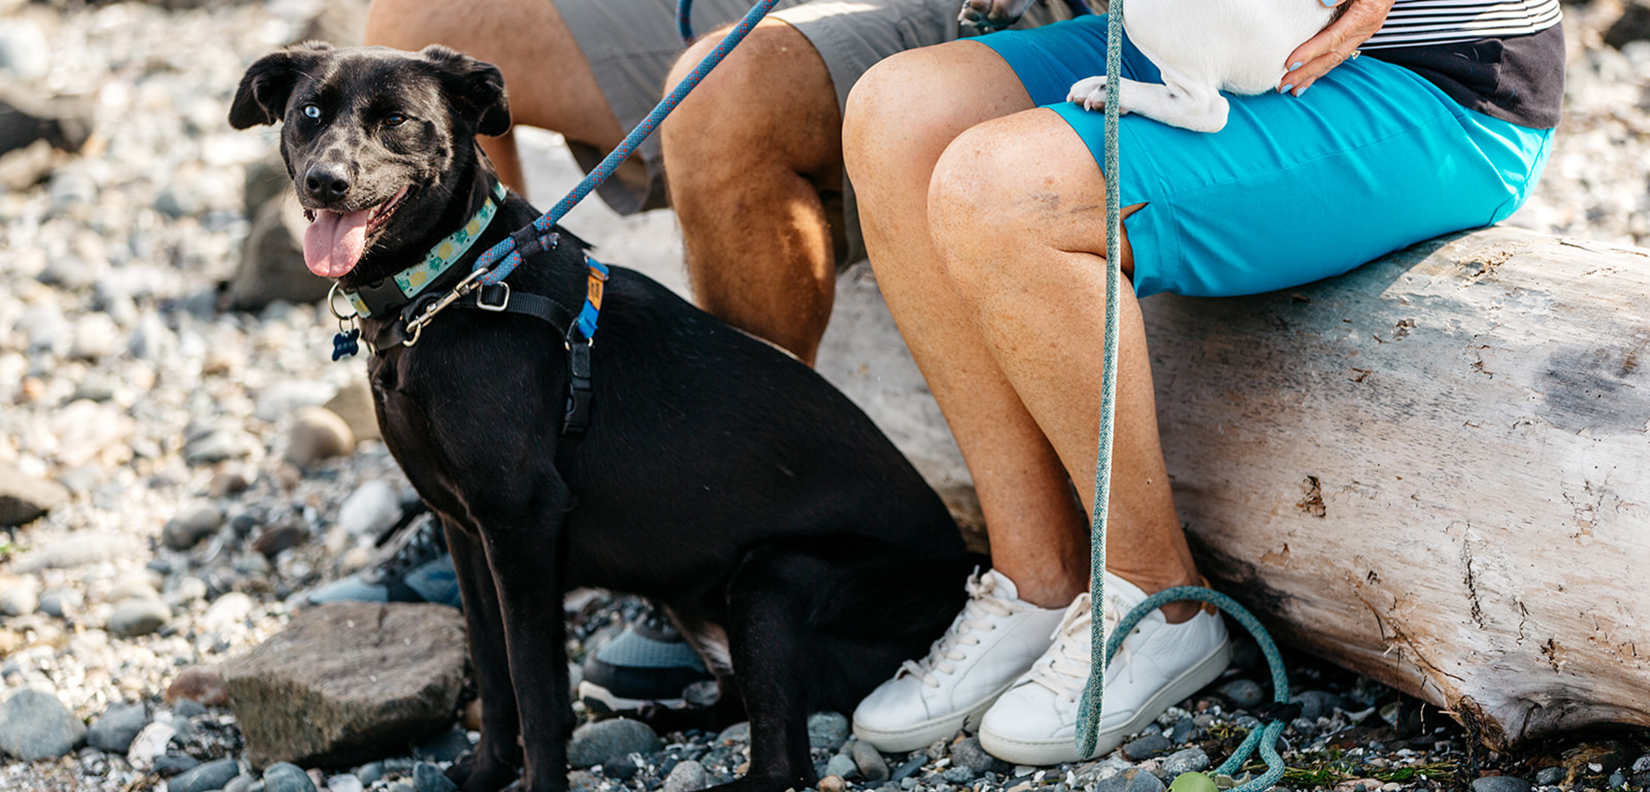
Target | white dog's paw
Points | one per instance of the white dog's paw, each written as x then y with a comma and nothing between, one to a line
1091,93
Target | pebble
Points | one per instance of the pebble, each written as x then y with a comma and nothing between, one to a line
186,530
957,775
832,783
218,442
1548,776
1500,784
199,684
172,764
1130,780
1244,693
241,783
1316,704
150,743
287,777
427,778
344,783
371,509
872,767
1149,746
114,730
968,753
840,765
1190,760
318,434
138,616
737,733
687,776
34,725
24,498
828,730
602,741
19,596
60,602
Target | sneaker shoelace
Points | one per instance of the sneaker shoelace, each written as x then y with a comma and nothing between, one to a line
1065,669
422,545
983,603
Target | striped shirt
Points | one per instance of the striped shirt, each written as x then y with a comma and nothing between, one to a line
1421,22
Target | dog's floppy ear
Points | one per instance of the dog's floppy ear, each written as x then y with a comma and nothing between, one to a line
268,83
475,89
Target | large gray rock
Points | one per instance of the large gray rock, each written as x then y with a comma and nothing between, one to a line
272,260
24,498
35,725
348,681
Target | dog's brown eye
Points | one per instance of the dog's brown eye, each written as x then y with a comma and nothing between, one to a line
394,119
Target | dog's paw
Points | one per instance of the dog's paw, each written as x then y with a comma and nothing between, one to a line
471,774
992,14
1090,92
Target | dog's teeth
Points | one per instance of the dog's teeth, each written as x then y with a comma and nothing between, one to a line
309,214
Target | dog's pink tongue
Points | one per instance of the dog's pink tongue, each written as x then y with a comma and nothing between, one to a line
333,244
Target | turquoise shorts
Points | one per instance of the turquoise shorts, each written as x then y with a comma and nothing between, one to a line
1371,159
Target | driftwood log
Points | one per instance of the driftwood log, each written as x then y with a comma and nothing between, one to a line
1434,470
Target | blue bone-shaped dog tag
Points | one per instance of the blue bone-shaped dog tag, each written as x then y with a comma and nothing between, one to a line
346,344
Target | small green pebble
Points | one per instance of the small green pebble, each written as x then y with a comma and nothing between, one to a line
1192,782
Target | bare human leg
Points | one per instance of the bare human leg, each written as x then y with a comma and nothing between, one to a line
746,157
985,227
550,84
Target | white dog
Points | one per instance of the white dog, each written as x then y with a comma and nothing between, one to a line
1202,47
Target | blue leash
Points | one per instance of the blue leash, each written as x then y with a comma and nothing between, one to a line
505,256
1088,717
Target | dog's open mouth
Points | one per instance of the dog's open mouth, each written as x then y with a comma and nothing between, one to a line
335,241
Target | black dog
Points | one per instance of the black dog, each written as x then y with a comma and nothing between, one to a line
785,535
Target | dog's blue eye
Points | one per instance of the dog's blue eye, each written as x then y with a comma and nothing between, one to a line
395,119
312,111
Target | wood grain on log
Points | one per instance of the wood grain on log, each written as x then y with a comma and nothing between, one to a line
1434,470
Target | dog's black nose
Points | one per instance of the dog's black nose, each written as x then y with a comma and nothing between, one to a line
326,184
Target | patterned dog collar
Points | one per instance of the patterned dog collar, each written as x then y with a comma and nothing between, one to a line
412,280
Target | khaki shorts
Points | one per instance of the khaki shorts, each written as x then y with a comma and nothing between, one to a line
631,45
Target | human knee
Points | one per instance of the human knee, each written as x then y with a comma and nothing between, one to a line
983,195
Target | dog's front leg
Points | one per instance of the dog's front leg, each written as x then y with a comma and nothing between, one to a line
770,643
493,763
1179,101
523,543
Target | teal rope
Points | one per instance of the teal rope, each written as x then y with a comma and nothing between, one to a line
1088,715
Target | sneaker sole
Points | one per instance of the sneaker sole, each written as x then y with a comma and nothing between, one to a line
925,733
590,691
1063,749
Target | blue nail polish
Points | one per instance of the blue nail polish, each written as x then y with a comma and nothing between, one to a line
1285,89
1295,65
1328,3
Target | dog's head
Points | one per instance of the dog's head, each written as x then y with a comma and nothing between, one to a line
377,141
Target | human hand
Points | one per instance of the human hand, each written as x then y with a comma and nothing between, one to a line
1334,44
991,15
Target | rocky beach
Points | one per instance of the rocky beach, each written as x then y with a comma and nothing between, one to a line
180,458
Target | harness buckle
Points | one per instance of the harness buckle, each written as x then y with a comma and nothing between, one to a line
484,294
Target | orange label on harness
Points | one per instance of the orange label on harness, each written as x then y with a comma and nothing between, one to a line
594,293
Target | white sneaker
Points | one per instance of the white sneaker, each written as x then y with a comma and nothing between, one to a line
994,640
1035,721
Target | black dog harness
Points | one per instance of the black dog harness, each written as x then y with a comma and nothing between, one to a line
399,295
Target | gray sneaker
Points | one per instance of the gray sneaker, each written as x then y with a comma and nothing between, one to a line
420,570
